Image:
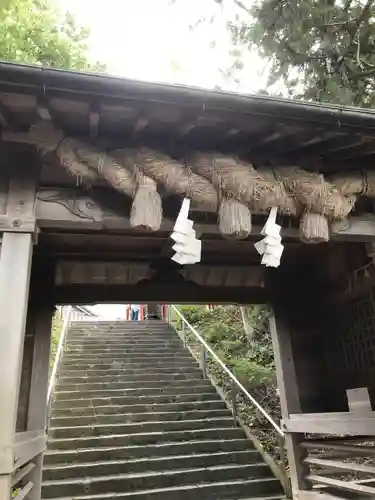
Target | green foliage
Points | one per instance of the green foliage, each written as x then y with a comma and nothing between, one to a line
320,50
251,360
36,32
254,374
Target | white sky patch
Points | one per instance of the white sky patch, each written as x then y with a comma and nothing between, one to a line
152,40
109,311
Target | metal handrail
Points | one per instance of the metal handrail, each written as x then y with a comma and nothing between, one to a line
233,378
56,363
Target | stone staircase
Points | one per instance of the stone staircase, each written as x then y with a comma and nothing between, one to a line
132,418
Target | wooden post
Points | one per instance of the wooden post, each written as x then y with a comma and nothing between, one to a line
289,398
39,386
17,204
15,266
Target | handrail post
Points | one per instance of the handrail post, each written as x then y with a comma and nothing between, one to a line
204,361
283,467
234,401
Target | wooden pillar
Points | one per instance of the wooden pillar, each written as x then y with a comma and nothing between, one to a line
289,397
15,266
17,233
42,323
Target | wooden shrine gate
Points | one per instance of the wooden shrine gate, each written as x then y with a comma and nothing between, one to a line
70,235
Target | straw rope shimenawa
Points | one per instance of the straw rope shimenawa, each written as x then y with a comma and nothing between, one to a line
221,184
88,163
177,178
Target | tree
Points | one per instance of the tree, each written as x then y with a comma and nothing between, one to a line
321,49
36,32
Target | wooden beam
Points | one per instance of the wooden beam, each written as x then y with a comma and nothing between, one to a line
28,445
25,491
129,273
331,423
74,209
317,495
21,473
165,293
356,228
344,448
341,466
342,485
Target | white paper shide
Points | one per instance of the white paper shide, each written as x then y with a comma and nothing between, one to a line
187,247
270,246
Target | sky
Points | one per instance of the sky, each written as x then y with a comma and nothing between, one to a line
153,40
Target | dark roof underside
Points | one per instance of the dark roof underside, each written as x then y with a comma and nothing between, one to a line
176,119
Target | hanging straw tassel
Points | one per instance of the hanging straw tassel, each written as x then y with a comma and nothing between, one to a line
314,228
147,210
234,219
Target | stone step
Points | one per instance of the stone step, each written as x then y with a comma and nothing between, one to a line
146,438
87,385
150,332
111,346
110,467
123,344
124,357
198,388
131,334
214,404
161,450
137,417
117,350
123,483
120,331
131,379
120,325
122,349
155,333
211,491
193,370
138,427
139,365
133,418
134,400
126,337
135,335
